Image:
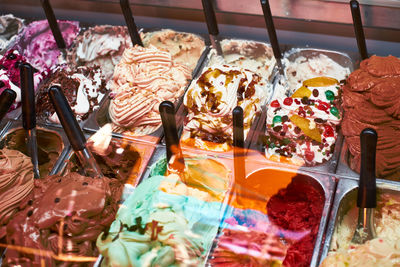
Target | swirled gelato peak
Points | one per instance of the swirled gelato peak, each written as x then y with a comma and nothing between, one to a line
142,80
370,100
16,182
210,100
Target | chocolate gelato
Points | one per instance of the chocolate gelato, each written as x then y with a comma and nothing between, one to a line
83,87
60,220
370,100
117,158
16,182
50,146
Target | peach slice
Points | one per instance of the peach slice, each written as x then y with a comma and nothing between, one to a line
302,92
320,82
304,125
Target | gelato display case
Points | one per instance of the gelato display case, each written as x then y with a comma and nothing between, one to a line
254,160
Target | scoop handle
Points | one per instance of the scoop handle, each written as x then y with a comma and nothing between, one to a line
167,113
358,29
271,29
367,184
130,23
7,98
238,134
211,19
67,118
55,29
28,97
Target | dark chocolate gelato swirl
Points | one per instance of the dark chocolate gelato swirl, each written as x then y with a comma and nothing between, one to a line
371,99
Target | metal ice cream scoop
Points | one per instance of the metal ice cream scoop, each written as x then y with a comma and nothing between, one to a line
212,25
366,198
73,132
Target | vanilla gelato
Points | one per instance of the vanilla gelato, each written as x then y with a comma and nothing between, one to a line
210,100
303,68
384,250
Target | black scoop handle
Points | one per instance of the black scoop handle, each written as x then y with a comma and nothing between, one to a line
130,23
28,97
367,184
211,19
7,98
271,29
238,134
358,29
55,29
167,113
67,118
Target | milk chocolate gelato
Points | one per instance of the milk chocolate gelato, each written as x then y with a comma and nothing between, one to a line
370,99
16,182
61,219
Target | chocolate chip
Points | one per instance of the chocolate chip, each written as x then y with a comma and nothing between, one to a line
84,183
304,100
57,199
277,128
315,92
319,120
285,118
30,202
2,84
282,133
59,181
297,130
29,214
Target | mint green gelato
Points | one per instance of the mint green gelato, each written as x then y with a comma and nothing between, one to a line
180,229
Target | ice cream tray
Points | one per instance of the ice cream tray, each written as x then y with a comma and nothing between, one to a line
17,125
100,116
323,183
182,112
346,192
344,59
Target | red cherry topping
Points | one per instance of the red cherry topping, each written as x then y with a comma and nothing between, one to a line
328,131
275,104
288,101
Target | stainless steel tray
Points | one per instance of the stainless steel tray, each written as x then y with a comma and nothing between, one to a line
15,125
323,183
182,112
346,191
145,150
100,117
344,59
